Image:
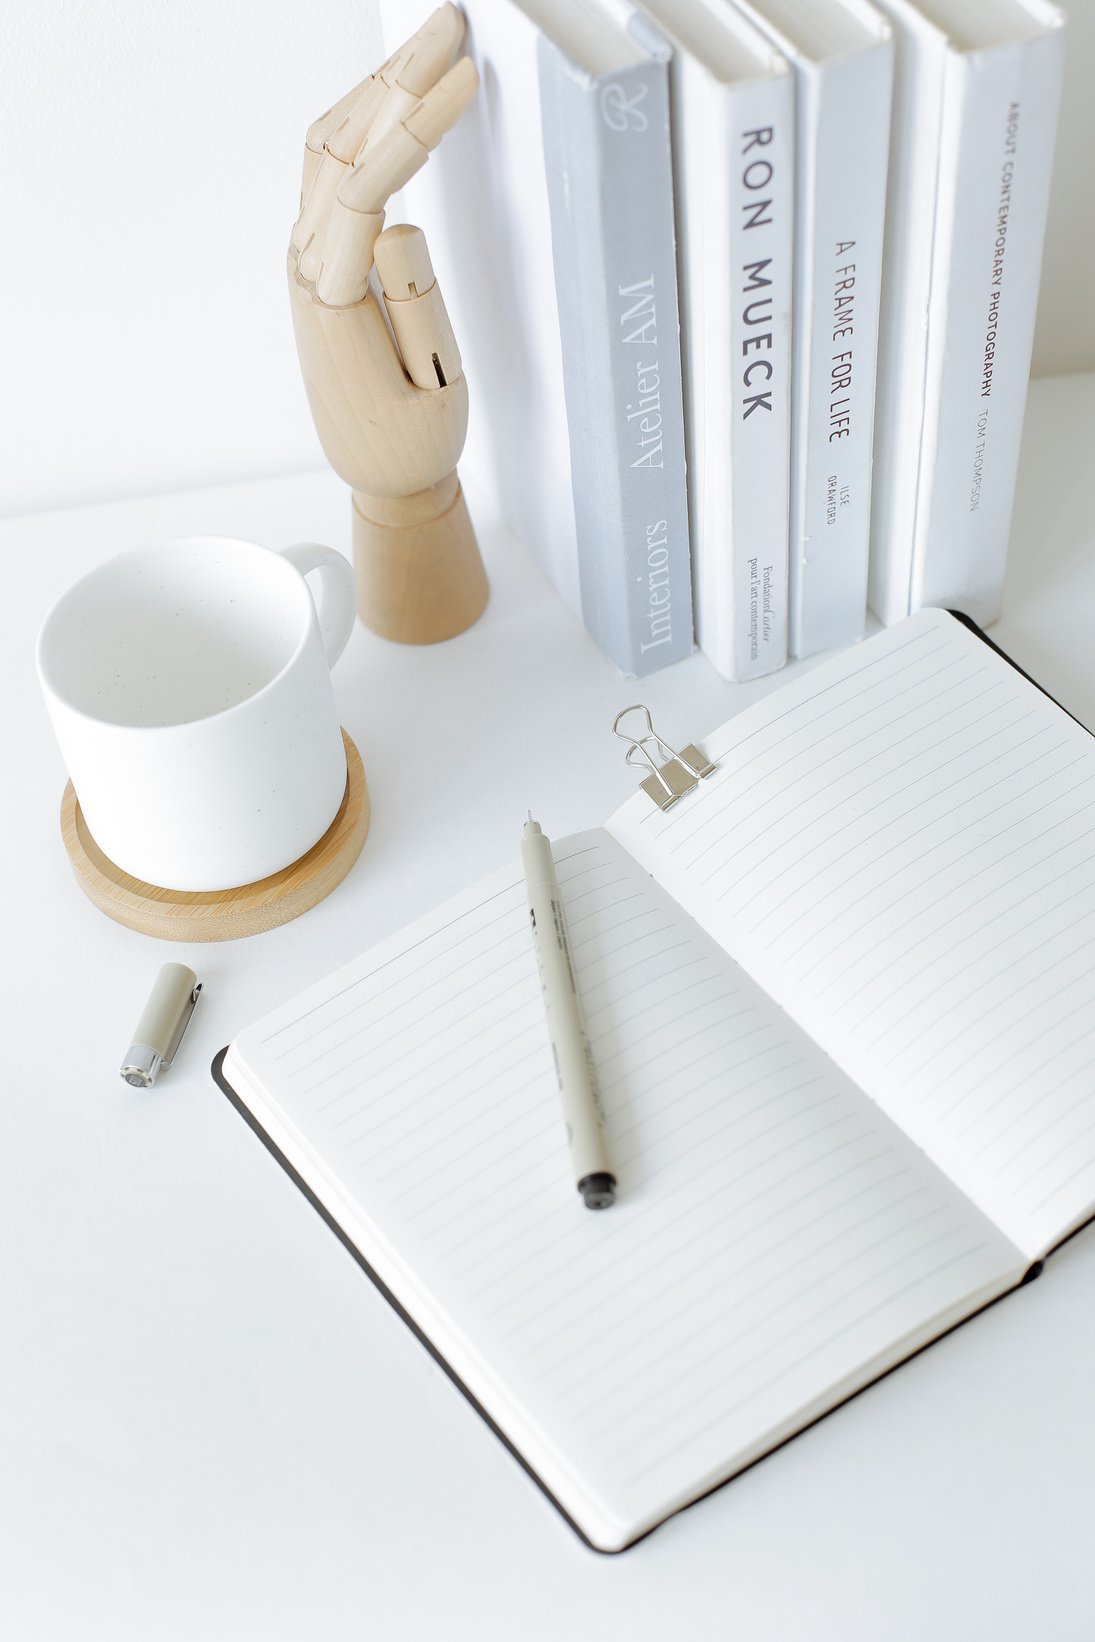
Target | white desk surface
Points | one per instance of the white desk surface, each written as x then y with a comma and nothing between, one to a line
212,1426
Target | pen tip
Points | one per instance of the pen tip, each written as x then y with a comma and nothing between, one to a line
598,1190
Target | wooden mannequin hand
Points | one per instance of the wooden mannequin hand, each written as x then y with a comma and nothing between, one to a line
380,432
391,414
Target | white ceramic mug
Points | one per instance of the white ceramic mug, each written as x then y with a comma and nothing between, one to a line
189,687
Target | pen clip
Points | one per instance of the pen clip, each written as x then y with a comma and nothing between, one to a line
184,1022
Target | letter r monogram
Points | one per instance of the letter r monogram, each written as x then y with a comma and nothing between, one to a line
620,112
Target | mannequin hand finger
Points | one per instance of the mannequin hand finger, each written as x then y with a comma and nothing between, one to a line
423,61
331,144
322,169
389,161
409,78
395,88
342,252
382,101
344,255
321,129
415,307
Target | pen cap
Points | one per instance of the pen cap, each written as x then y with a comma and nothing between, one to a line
163,1020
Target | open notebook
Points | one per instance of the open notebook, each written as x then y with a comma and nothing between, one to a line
842,1002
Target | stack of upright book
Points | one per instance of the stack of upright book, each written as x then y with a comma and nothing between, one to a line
745,291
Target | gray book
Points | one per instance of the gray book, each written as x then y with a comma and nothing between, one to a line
605,124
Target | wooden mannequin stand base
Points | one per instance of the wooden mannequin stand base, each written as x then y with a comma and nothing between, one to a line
420,578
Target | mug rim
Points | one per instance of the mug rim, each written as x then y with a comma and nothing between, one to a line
271,555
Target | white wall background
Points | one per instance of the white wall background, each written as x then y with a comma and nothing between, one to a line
150,174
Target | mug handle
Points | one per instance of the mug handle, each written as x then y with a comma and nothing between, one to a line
337,605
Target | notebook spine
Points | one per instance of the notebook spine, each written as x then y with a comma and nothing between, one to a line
610,189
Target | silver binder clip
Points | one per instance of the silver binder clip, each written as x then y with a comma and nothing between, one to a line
680,772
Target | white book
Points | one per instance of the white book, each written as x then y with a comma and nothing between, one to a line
733,156
977,89
841,1001
549,210
842,57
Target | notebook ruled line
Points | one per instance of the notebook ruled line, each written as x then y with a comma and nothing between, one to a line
1029,978
947,984
393,985
374,1122
605,1054
956,861
688,1373
986,1113
892,794
636,1242
900,843
622,1319
921,856
908,982
1083,1005
1032,1138
1061,1185
675,1320
723,1099
507,889
726,1411
671,822
627,969
955,918
686,1066
531,1330
317,1057
670,1162
882,730
515,1098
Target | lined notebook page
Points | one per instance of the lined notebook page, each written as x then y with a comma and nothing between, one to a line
775,1242
901,847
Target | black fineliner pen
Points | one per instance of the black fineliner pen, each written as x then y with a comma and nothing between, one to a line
573,1059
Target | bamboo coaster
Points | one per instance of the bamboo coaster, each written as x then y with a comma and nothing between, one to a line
227,914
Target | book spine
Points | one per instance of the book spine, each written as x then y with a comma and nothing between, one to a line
919,52
842,141
610,189
996,146
735,151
